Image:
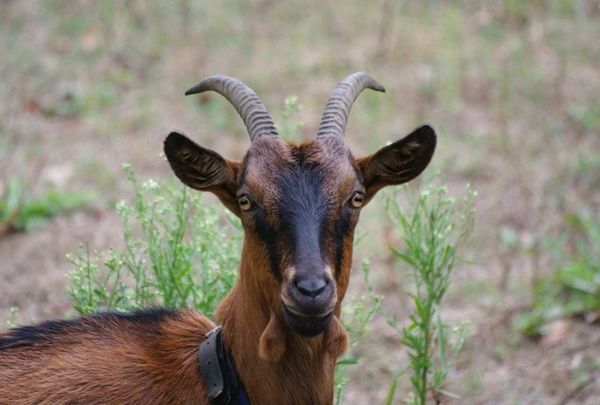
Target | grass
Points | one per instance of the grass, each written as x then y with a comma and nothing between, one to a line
11,320
20,211
356,316
512,88
574,289
159,264
433,231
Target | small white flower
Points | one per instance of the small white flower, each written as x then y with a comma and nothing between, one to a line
150,185
122,207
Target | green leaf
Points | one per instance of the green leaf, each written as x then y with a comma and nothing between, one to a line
348,360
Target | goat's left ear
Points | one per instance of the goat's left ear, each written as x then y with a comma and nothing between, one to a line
399,162
203,169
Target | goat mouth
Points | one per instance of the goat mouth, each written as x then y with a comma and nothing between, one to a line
306,325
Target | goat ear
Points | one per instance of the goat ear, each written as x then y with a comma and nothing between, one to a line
203,169
398,162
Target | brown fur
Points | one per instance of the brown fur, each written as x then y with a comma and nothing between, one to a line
109,361
277,366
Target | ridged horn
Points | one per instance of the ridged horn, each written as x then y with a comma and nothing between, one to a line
335,116
250,108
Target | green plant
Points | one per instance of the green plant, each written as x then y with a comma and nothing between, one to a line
433,232
356,315
585,115
11,320
575,287
290,128
21,211
158,264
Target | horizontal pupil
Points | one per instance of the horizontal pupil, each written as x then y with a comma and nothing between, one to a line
357,200
244,202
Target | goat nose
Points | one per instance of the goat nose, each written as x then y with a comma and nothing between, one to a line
311,286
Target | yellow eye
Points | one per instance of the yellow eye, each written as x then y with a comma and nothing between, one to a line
357,200
244,203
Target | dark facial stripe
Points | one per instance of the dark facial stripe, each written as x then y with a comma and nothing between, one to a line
341,231
304,210
268,235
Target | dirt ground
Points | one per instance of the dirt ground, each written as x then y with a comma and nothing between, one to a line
512,88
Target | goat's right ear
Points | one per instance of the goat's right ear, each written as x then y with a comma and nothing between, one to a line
398,162
203,169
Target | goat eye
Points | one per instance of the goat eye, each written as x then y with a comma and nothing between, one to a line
244,203
357,200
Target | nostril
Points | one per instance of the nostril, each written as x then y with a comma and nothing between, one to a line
311,286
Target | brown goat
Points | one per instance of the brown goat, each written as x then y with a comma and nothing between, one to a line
299,205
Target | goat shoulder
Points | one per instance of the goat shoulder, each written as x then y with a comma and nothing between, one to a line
147,357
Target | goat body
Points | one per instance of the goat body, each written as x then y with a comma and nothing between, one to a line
151,357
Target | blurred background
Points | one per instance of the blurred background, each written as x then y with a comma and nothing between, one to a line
512,88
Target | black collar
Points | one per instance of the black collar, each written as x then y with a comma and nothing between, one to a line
218,372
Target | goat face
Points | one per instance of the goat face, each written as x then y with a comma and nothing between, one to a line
299,205
304,219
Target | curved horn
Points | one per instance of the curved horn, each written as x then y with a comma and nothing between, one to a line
335,116
246,102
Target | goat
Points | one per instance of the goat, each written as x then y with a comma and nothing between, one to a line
299,205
